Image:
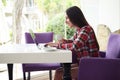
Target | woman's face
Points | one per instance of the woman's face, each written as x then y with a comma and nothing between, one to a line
68,22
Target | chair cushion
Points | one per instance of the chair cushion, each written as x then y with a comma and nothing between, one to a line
40,66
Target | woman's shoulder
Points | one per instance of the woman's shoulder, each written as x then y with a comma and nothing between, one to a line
87,28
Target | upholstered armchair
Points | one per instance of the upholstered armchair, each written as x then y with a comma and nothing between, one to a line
99,69
106,67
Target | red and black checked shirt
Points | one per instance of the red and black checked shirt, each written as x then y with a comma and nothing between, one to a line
84,43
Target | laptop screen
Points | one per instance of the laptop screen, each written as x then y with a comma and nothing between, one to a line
33,36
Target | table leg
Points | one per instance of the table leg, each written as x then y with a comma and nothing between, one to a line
10,71
67,71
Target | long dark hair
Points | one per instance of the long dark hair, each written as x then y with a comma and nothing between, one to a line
76,16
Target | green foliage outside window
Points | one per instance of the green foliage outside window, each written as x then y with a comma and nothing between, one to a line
55,10
4,2
57,25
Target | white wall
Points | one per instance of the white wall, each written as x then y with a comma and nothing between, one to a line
110,13
91,11
102,12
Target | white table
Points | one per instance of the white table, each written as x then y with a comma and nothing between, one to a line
29,53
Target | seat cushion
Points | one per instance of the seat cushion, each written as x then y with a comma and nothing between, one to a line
40,66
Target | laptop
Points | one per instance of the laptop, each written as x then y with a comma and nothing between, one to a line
33,37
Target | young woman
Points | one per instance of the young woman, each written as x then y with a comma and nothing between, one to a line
84,42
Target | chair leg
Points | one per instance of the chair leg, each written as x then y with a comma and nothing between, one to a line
10,71
24,75
28,76
50,74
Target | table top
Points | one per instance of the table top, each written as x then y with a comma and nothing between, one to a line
29,53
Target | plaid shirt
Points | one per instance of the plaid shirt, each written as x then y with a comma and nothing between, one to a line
84,43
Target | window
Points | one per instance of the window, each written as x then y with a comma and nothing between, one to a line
38,15
54,11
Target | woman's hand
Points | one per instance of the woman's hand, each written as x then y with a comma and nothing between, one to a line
51,44
55,44
62,41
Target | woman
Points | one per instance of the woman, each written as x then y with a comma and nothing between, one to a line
83,44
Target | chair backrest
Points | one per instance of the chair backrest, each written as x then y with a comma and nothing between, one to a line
40,37
99,69
113,47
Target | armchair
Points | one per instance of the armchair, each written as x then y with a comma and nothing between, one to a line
106,67
41,38
99,69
